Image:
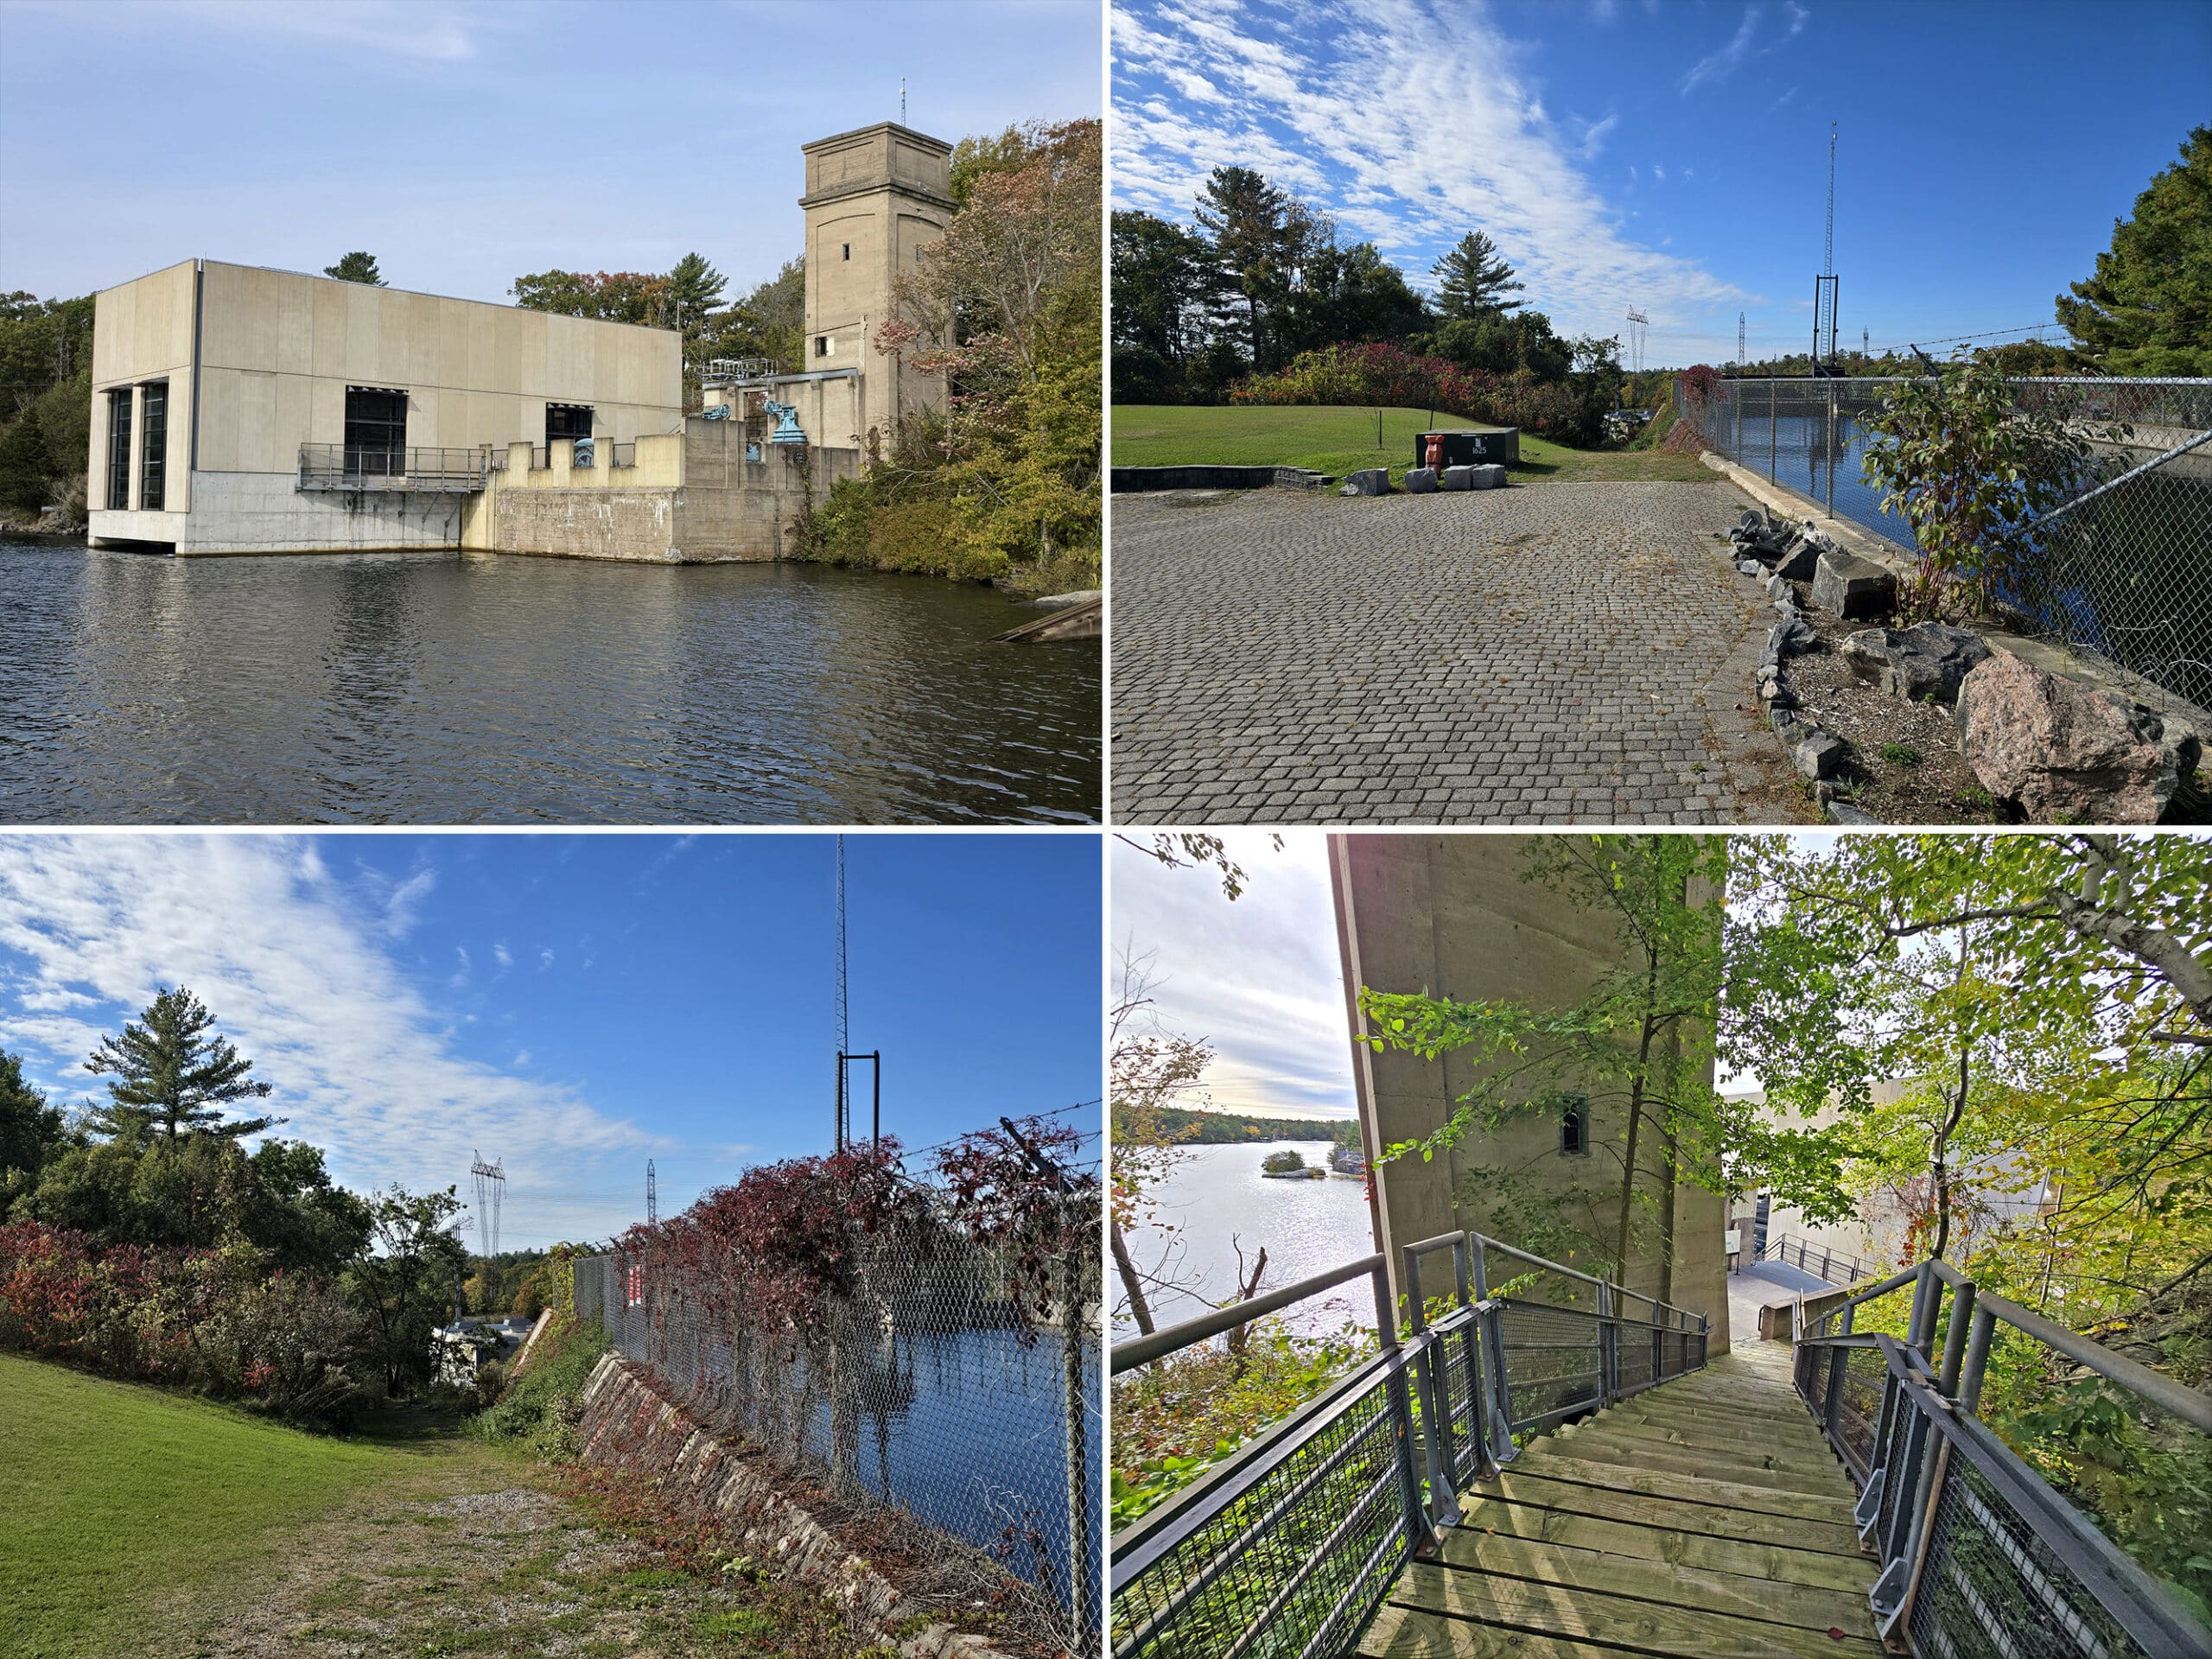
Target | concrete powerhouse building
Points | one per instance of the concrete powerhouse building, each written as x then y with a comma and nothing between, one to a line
1450,915
237,410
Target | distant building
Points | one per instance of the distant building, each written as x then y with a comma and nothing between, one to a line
237,410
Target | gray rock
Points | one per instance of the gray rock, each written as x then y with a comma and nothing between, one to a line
1792,636
1856,589
1816,752
1488,476
1370,480
1778,587
1926,660
2066,753
1457,478
1844,812
1750,567
1799,563
1421,480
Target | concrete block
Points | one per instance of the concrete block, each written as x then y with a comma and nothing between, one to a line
1371,480
1421,480
1458,478
1490,476
1856,589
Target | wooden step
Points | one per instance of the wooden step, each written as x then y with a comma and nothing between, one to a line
1532,1486
1779,1564
1541,1458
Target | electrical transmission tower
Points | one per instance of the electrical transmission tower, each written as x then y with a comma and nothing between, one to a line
491,1186
652,1194
1636,324
1825,286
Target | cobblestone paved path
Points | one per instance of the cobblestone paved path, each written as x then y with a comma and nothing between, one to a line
1548,653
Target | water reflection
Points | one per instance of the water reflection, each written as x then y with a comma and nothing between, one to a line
433,687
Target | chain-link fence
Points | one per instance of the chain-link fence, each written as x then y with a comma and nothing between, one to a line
2123,568
943,1383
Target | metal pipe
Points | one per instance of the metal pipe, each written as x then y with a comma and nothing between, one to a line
1955,1340
1142,1350
1985,1328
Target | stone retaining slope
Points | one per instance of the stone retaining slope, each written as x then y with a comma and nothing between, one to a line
628,1421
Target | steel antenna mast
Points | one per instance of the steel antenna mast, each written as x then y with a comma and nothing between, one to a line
1739,342
1825,286
844,1102
652,1194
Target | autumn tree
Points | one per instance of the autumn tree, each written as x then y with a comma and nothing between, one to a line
768,323
634,297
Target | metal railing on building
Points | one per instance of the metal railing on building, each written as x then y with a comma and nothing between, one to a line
2122,568
1823,1262
337,467
1979,1553
1285,1549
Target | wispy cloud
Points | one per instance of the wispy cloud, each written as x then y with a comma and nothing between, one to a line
299,968
1301,107
502,956
1594,137
1719,66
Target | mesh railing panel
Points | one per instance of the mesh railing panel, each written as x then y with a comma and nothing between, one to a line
1551,1361
932,1388
1858,1412
1994,1589
1294,1562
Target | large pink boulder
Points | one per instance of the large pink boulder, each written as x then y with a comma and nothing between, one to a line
2066,753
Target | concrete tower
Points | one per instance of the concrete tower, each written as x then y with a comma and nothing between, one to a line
876,198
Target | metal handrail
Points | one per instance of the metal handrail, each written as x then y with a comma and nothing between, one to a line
1927,1417
1460,1367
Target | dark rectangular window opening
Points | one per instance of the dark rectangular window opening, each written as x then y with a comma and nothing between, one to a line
153,445
1574,1124
565,421
119,449
822,345
849,249
376,431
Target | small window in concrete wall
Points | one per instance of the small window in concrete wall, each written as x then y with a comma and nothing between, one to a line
1574,1124
153,445
376,431
849,249
822,345
119,449
563,421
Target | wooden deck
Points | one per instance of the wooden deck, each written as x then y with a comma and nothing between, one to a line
1704,1519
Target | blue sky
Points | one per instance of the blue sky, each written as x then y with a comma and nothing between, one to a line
466,144
1673,156
572,1005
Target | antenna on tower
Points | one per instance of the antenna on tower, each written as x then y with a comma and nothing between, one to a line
1739,343
1638,322
844,1109
1826,284
491,1186
902,100
653,1195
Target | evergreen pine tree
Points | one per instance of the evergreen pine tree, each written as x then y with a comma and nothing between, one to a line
172,1076
356,268
2148,309
1475,279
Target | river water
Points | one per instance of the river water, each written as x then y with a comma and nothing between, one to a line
1218,1199
444,688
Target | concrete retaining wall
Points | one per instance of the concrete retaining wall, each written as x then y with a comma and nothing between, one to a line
628,1422
1132,479
267,512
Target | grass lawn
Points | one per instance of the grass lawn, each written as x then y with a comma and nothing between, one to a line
1339,441
119,1496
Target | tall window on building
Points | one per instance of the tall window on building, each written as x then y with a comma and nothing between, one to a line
1574,1124
376,431
565,421
119,449
153,446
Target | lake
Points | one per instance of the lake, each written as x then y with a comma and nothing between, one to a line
445,688
1218,1198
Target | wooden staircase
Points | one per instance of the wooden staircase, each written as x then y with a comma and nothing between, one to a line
1703,1519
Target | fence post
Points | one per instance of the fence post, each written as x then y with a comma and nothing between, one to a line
1429,1382
1402,1415
1773,432
1608,1353
1081,1554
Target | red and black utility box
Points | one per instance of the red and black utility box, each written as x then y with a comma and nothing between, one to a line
1463,448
